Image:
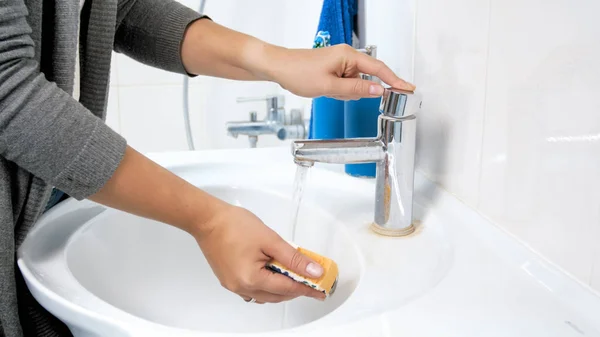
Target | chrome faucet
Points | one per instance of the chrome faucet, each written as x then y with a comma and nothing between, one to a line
277,122
394,152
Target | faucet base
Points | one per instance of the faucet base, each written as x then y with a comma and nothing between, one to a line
393,232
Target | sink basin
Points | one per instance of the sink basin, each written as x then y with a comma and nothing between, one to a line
158,273
107,273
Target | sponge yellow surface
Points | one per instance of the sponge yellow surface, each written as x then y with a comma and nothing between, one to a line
325,284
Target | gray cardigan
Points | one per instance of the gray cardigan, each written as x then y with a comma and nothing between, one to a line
49,139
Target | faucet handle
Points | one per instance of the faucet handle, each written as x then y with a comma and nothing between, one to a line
273,101
394,102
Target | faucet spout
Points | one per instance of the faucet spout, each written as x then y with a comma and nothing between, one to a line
394,152
342,151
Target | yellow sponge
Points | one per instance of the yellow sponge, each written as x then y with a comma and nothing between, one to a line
325,284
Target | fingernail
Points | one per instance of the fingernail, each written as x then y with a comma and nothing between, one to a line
314,269
375,90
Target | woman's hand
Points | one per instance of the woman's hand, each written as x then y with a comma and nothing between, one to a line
332,71
237,246
235,242
211,49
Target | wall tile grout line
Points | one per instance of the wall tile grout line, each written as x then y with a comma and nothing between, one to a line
485,100
595,260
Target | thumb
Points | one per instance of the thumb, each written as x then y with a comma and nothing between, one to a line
356,88
297,262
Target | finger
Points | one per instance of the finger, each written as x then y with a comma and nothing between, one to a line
276,283
355,88
372,66
294,260
266,297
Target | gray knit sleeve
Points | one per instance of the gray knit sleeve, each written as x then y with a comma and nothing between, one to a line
152,31
42,128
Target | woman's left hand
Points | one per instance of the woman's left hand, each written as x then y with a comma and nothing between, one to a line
331,71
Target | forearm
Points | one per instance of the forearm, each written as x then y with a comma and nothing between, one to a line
191,44
142,187
211,49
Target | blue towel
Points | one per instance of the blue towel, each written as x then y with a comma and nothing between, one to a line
335,27
337,18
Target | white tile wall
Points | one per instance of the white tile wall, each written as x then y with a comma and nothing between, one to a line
152,119
595,281
450,70
511,122
300,23
133,73
390,26
541,149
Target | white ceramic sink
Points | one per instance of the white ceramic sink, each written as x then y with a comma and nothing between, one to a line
107,273
157,272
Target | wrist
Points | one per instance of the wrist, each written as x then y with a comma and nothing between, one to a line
203,209
263,59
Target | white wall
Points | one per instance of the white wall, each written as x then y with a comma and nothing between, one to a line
511,118
390,26
142,94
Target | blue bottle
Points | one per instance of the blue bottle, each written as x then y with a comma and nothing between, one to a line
327,118
360,121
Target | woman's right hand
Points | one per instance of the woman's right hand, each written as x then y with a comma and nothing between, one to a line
235,242
237,246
